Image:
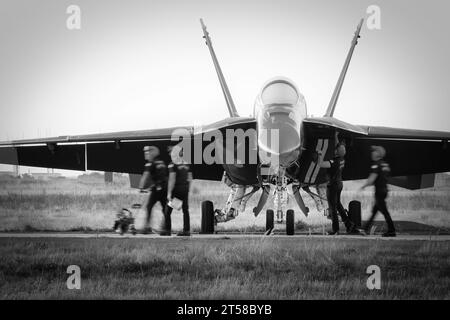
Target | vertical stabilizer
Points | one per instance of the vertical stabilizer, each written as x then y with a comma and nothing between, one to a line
337,89
223,84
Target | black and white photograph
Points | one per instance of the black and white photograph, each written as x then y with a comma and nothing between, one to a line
224,155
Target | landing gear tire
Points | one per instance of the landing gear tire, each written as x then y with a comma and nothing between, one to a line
354,212
290,222
207,226
269,220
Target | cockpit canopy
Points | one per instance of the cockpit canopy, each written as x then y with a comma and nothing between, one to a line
279,110
279,92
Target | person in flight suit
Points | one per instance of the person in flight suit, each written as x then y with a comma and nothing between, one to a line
155,179
379,172
180,177
334,188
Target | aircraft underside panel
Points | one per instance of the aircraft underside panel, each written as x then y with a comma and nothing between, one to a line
414,182
127,157
69,157
246,175
122,151
405,157
307,170
237,156
412,153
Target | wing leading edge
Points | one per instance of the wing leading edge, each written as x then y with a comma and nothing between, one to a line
112,152
409,152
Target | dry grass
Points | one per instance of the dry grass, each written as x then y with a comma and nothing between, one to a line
87,203
265,268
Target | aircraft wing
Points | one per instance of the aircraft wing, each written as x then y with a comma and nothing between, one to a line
111,152
410,153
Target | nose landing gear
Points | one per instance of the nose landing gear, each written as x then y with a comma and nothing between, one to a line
237,198
290,222
281,199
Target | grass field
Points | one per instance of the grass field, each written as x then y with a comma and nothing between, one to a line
264,268
87,203
257,268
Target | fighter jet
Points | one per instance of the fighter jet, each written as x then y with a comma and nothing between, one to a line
274,149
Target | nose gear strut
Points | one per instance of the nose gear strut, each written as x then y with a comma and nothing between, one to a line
281,197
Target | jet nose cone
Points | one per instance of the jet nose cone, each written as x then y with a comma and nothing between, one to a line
279,111
280,133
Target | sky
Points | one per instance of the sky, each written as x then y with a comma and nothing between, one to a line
143,64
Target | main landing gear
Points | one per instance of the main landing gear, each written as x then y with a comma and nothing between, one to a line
208,220
236,203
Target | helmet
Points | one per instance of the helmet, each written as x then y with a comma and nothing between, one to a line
380,150
152,149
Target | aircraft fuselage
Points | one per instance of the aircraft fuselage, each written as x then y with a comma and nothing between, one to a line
279,112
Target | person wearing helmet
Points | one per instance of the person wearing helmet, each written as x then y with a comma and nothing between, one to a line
334,188
155,180
180,177
379,172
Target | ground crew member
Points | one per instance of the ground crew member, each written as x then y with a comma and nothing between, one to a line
180,177
334,188
378,176
154,179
